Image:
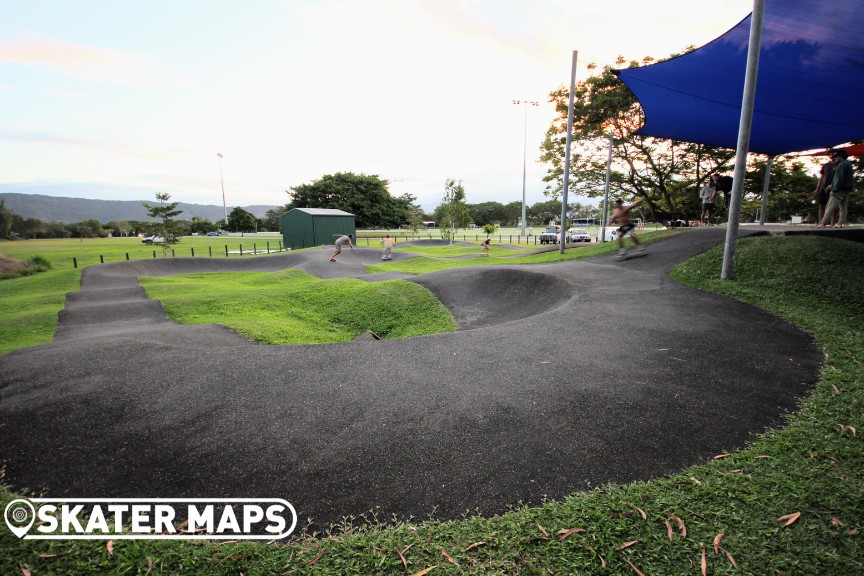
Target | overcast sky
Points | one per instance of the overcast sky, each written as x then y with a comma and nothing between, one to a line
115,99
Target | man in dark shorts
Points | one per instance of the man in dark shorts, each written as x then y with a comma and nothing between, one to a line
621,215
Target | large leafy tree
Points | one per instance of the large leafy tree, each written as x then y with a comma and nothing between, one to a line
365,196
240,220
667,174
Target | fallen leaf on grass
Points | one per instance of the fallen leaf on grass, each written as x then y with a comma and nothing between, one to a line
836,390
789,518
704,564
836,522
426,571
717,539
696,480
402,557
681,528
318,557
728,555
449,558
763,457
628,544
149,566
110,547
639,572
844,427
721,456
641,511
224,542
543,530
24,571
47,555
669,531
568,532
852,532
475,545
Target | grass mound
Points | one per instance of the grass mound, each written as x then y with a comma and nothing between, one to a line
292,307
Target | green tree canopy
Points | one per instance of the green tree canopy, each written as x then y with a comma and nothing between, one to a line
239,220
365,196
453,213
165,211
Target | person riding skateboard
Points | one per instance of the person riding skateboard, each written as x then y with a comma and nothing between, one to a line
342,239
621,215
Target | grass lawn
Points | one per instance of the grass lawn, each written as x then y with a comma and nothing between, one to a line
789,504
293,307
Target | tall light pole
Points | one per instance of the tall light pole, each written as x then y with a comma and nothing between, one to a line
222,183
525,103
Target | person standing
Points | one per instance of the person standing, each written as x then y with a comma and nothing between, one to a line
708,197
840,188
340,241
387,241
621,215
826,175
485,245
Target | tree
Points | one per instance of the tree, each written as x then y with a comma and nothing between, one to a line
272,220
165,212
489,229
667,174
488,213
365,196
239,220
453,213
542,213
201,226
5,221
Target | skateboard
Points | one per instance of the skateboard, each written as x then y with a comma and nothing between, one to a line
632,255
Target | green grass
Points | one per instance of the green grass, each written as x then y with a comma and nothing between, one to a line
293,307
813,466
435,261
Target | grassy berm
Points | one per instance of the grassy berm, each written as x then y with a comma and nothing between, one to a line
789,504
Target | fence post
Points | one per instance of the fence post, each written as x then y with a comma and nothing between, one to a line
241,249
101,259
193,252
268,247
154,254
210,248
74,262
127,256
226,250
280,245
172,253
254,248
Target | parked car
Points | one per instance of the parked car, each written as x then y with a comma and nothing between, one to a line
578,235
550,235
212,233
153,240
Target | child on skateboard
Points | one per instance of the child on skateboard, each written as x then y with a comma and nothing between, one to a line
621,215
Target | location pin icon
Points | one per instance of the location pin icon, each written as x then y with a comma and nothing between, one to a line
19,516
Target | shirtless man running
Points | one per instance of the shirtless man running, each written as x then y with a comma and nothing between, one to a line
621,215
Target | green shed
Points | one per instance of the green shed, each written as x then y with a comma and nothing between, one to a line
306,227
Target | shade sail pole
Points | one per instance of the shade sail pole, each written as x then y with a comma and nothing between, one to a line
765,185
743,146
567,144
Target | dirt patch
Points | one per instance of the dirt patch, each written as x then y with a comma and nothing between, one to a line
9,265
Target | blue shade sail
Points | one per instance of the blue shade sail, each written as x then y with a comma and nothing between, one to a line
809,92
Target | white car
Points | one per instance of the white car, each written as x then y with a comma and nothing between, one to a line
578,235
153,240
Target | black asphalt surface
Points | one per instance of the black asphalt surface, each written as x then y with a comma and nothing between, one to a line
562,377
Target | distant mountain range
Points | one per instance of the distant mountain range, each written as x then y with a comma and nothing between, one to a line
68,210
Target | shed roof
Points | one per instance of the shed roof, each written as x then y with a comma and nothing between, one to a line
324,211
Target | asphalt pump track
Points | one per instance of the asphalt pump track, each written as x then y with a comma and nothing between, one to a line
561,377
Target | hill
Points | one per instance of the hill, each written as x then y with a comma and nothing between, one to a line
68,210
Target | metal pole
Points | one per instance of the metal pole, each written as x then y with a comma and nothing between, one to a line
567,144
765,190
525,103
222,183
743,145
606,193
